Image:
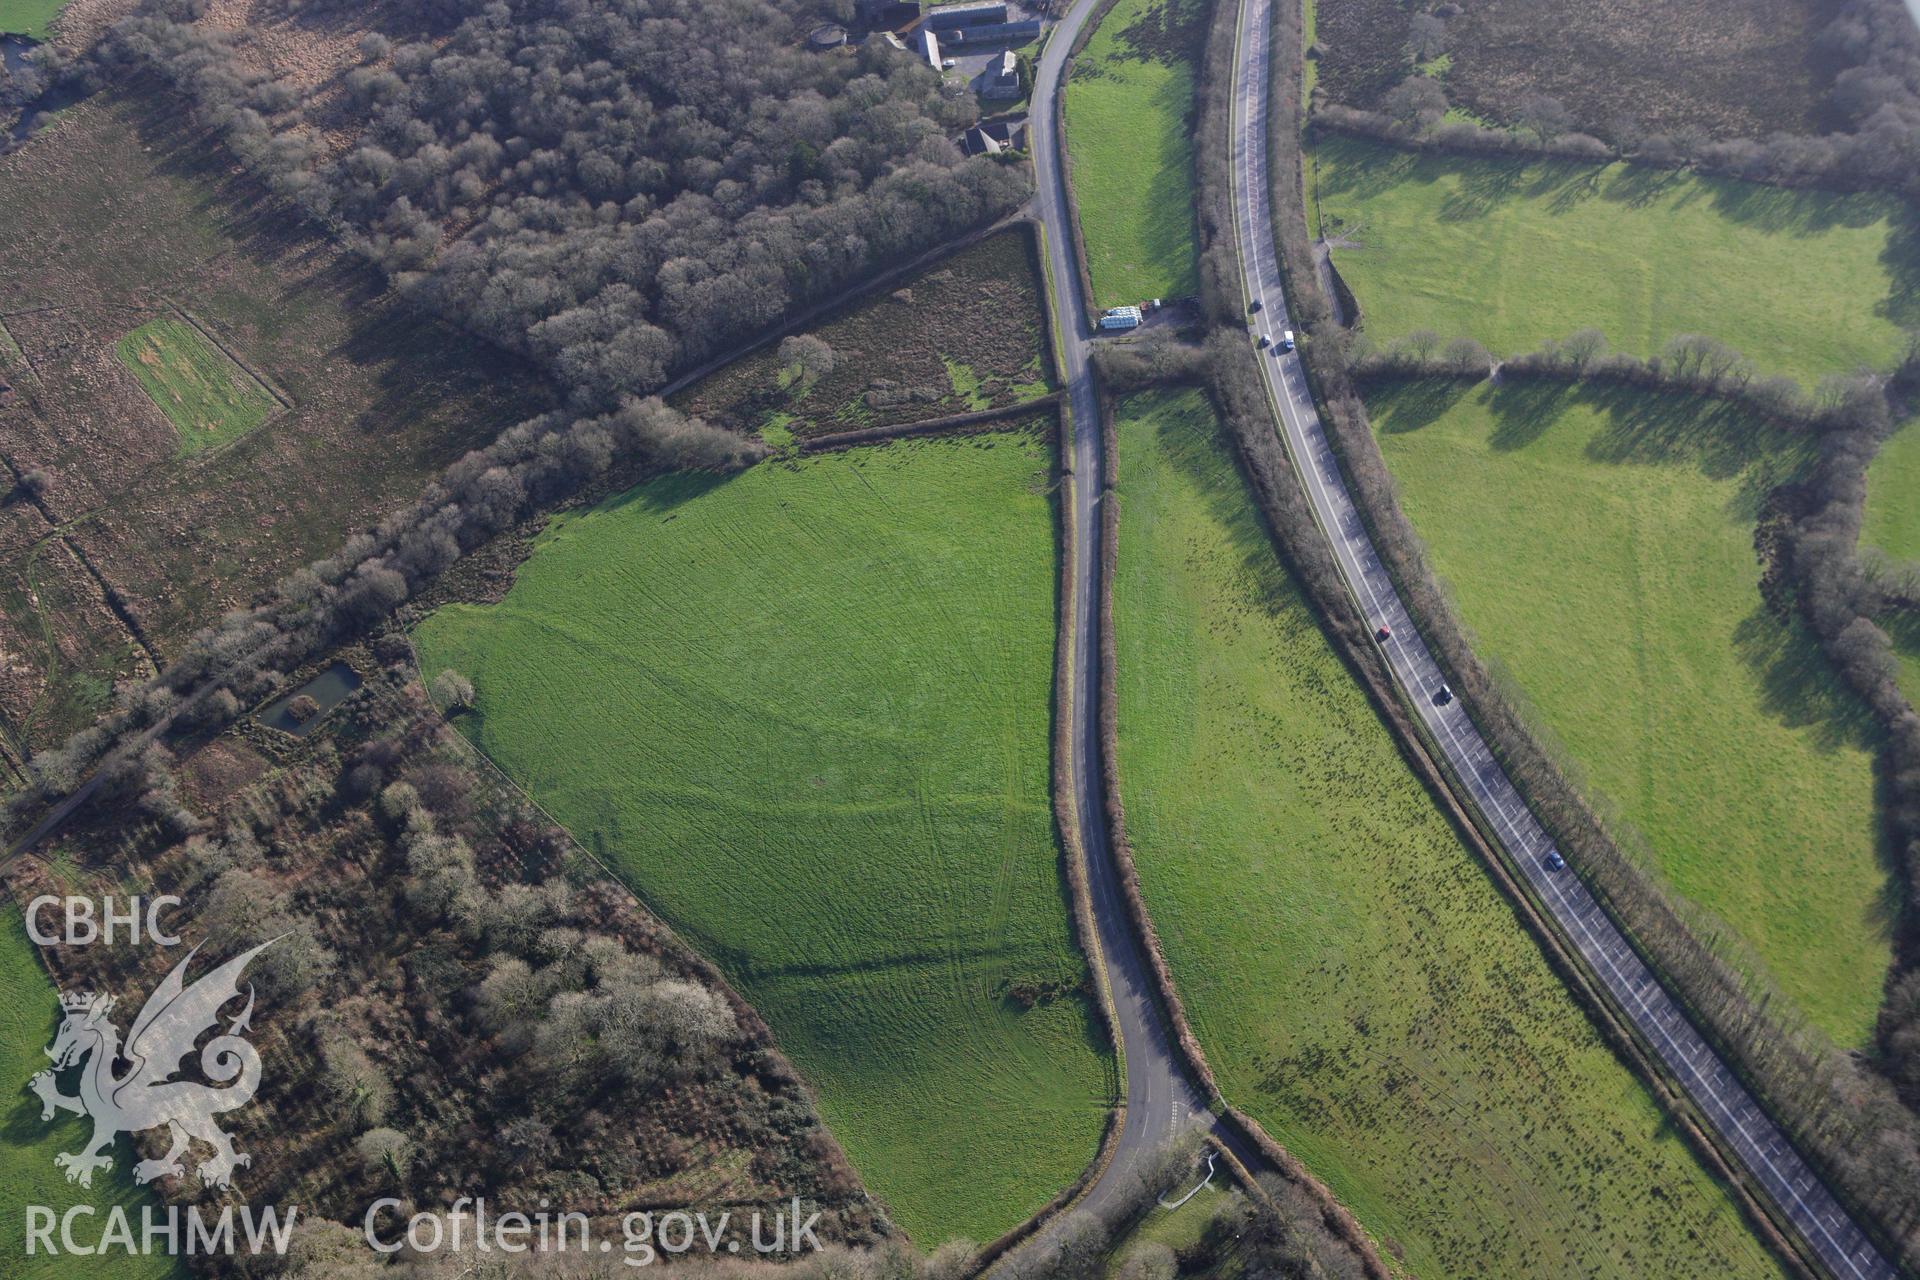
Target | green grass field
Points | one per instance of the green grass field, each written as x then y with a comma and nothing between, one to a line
1357,982
208,398
805,711
1178,1228
29,17
28,1011
1806,283
1893,496
1600,548
1129,109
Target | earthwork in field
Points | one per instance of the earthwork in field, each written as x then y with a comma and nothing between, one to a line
209,399
132,531
1514,252
1361,989
805,712
1129,117
1599,547
967,334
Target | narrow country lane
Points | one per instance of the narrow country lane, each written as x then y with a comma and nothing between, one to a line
1160,1100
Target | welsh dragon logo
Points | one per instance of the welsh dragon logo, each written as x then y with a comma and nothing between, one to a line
145,1096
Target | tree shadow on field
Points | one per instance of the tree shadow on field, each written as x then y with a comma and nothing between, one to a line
664,495
222,192
23,1129
1523,409
1410,404
1574,187
1638,186
1649,428
1901,259
1352,167
1481,186
1170,234
22,1126
1793,211
1798,687
1197,447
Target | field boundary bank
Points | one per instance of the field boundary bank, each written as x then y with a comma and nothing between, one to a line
1337,1217
975,423
267,384
1060,762
1569,813
1356,122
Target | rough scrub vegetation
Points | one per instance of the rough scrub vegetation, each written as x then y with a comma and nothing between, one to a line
458,1003
612,189
1409,89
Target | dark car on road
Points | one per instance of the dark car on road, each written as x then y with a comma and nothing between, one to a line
1383,635
1554,861
1444,696
1254,306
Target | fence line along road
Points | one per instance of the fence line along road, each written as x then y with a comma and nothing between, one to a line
1743,1126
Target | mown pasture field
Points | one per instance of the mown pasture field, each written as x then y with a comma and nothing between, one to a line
967,334
1514,252
29,17
1600,548
805,713
1129,125
1356,980
29,1011
209,399
124,215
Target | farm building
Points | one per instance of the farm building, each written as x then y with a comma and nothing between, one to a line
992,137
930,46
955,16
1001,79
994,32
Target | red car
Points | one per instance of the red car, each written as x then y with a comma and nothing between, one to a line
1383,635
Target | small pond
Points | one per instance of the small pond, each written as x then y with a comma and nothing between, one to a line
328,690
